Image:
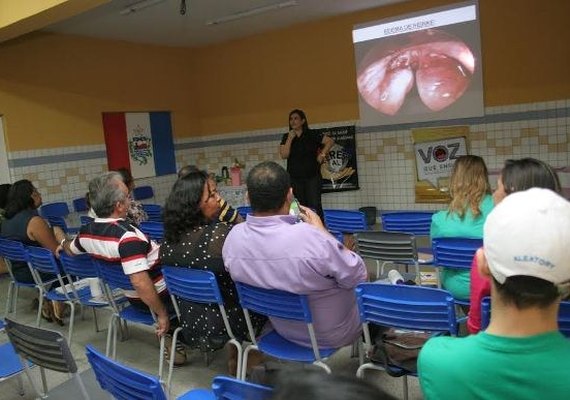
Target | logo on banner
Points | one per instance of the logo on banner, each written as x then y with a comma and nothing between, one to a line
435,159
140,146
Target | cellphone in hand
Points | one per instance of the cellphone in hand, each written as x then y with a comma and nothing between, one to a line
295,209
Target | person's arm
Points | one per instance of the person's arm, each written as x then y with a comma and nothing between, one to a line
328,143
285,147
38,230
147,293
228,214
480,287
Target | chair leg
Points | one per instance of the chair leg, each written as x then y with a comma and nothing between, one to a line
9,300
71,321
20,385
109,334
405,384
15,300
81,386
323,366
94,318
244,363
40,306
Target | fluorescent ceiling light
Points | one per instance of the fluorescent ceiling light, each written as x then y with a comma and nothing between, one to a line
251,12
133,8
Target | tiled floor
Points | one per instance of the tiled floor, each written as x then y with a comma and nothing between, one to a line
141,351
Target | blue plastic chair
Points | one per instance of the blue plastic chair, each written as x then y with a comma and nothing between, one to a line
563,316
55,214
388,248
284,305
403,307
14,251
85,219
197,286
243,211
113,278
43,260
153,211
345,221
153,229
81,266
80,205
143,193
417,223
455,253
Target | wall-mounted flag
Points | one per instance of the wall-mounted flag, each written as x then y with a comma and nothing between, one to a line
140,141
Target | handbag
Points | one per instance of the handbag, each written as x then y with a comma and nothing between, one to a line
397,350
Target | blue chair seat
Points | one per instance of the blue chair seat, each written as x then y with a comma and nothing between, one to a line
11,364
133,314
275,345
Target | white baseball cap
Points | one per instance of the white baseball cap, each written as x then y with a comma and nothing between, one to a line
528,233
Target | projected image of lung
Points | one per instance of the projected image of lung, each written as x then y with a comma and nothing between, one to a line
420,68
439,65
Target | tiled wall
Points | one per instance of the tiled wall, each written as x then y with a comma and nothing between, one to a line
385,156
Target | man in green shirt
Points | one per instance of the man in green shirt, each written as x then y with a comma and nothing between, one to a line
521,355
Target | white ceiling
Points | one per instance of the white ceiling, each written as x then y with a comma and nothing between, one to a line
162,23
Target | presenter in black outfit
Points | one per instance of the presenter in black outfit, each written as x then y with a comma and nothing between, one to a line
305,151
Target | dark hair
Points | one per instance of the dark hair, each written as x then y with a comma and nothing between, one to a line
311,385
185,170
105,192
526,173
301,114
182,208
267,186
527,292
4,189
127,177
19,198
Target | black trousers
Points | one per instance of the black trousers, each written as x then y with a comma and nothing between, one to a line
308,192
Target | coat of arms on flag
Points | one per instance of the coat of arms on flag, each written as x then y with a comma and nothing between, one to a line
141,142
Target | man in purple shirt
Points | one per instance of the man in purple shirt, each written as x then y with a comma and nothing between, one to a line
271,250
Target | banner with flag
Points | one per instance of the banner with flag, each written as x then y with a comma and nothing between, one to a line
141,142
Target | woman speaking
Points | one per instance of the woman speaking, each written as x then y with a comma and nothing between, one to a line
305,150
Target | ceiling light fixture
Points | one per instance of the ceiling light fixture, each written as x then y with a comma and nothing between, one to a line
141,5
251,12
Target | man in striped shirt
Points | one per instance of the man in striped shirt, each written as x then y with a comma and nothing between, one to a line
110,238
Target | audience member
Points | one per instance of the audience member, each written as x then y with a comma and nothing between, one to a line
312,385
470,204
517,175
136,213
194,239
226,212
111,238
24,224
521,355
271,250
4,189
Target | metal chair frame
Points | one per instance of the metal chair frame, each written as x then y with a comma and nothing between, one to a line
404,307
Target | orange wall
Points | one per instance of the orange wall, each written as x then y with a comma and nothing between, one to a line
53,88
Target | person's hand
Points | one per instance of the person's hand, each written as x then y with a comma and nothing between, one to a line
310,217
321,158
163,324
292,134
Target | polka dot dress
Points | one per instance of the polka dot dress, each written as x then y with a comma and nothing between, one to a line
202,324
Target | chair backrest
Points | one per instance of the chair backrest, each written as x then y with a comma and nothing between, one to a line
192,284
387,246
153,211
81,265
563,316
414,222
13,250
113,275
57,209
228,388
80,204
455,252
85,219
346,221
243,211
43,347
407,307
371,214
274,303
56,220
143,192
153,229
123,382
43,260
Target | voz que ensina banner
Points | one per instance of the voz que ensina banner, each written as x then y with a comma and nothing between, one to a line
141,142
339,171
